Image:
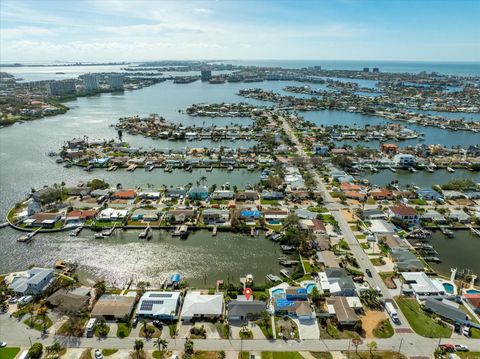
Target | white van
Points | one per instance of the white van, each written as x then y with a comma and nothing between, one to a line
25,300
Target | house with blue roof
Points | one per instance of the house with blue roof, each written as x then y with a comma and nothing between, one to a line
428,194
33,282
250,215
198,193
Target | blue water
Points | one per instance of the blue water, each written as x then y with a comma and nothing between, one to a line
448,287
310,287
473,291
278,292
451,68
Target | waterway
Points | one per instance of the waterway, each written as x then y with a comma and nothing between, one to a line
24,164
202,258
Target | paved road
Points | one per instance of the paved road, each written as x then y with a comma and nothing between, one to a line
335,208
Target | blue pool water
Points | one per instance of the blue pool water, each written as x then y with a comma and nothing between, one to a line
448,288
310,287
277,292
274,221
473,291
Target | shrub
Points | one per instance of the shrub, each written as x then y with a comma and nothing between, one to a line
35,351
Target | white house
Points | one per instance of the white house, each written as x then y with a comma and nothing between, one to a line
198,306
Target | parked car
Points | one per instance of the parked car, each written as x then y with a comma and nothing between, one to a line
447,347
13,300
461,348
158,324
25,300
135,322
3,344
466,330
98,354
369,273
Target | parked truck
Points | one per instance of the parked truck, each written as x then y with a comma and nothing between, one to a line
392,312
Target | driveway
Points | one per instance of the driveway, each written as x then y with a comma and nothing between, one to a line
307,329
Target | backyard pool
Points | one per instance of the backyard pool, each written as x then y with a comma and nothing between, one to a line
310,287
448,288
473,291
277,292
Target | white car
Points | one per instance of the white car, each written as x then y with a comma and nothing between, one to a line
3,344
461,348
98,354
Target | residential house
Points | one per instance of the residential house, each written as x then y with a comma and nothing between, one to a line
159,305
111,214
79,217
428,194
404,214
404,160
111,306
245,309
421,286
44,220
446,309
213,216
34,282
202,306
250,215
125,194
272,195
381,194
405,261
198,193
341,309
459,216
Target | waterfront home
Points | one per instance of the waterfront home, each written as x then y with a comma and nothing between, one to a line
223,194
176,193
404,214
99,162
111,306
198,193
145,215
179,216
47,195
405,261
44,220
340,307
125,194
349,187
32,208
296,293
80,216
428,194
214,216
433,216
450,194
33,282
321,150
250,215
245,309
380,194
446,309
421,286
78,191
247,195
389,148
68,301
99,193
473,301
150,195
202,306
111,214
159,305
272,195
404,160
274,216
392,241
459,216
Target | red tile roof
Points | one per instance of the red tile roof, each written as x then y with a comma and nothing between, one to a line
403,210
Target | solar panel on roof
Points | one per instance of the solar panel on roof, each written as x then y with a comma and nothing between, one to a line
160,295
148,304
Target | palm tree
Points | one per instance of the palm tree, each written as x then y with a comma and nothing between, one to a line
203,179
372,346
138,347
161,344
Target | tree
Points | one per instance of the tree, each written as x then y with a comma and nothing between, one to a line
188,347
356,342
372,346
35,351
138,347
53,350
102,328
161,344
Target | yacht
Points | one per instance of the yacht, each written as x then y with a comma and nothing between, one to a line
450,169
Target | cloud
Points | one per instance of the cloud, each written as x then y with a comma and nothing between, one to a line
203,11
25,31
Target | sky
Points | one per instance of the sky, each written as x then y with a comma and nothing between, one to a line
118,30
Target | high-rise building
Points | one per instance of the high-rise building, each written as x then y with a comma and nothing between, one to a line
366,69
91,82
56,88
376,69
115,81
206,75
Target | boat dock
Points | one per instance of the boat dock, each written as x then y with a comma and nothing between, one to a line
27,237
180,231
146,234
76,231
214,231
108,232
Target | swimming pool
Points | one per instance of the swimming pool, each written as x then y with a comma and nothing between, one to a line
448,287
473,291
310,287
277,292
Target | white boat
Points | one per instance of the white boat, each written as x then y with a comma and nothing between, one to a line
430,169
412,170
392,169
450,169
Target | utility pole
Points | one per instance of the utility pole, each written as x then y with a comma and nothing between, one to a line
399,347
348,351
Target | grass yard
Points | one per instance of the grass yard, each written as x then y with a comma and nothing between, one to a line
377,355
205,355
267,332
284,327
108,352
37,323
331,331
244,355
384,329
281,355
155,332
308,267
123,329
377,261
422,323
9,352
467,355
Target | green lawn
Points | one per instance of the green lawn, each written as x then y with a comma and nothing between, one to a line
38,322
267,332
9,352
308,267
123,330
463,355
281,355
244,355
271,202
108,352
383,330
422,323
